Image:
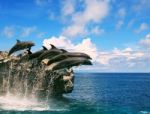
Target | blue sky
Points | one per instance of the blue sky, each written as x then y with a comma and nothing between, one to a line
116,34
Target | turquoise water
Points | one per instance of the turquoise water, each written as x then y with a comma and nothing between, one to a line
94,93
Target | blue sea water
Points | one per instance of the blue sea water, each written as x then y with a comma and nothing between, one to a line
98,93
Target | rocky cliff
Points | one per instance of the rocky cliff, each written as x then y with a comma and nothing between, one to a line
28,78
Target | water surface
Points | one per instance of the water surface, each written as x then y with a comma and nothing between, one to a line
94,93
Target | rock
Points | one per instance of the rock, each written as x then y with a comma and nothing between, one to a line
27,78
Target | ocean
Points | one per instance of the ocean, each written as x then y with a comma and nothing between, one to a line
94,93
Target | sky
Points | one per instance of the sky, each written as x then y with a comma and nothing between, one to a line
115,33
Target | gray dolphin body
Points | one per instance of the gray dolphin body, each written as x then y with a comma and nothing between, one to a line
49,54
20,46
37,54
70,62
67,55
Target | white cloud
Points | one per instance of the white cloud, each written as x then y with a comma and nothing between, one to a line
114,60
68,7
141,6
74,30
61,42
88,47
131,23
145,41
93,12
41,34
26,31
85,46
8,31
97,31
122,12
119,24
120,15
142,28
127,54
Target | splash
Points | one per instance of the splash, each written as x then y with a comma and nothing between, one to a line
16,103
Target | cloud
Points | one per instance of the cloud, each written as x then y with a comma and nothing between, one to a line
26,31
119,24
114,60
145,42
61,42
120,15
8,31
97,31
85,46
93,12
122,12
74,30
68,7
142,6
41,34
131,23
142,28
127,54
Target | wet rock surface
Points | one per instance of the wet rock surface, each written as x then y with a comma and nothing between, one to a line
27,78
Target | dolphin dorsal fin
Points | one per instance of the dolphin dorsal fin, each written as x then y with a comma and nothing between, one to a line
29,51
44,48
52,46
63,50
18,41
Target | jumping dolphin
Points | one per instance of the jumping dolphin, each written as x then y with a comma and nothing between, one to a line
70,62
50,53
37,54
67,55
20,45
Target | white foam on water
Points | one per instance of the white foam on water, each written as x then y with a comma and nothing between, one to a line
11,102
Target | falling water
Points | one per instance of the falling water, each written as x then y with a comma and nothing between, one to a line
26,85
9,77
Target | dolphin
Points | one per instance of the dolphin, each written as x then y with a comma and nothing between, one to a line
70,62
20,45
50,53
36,54
67,55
